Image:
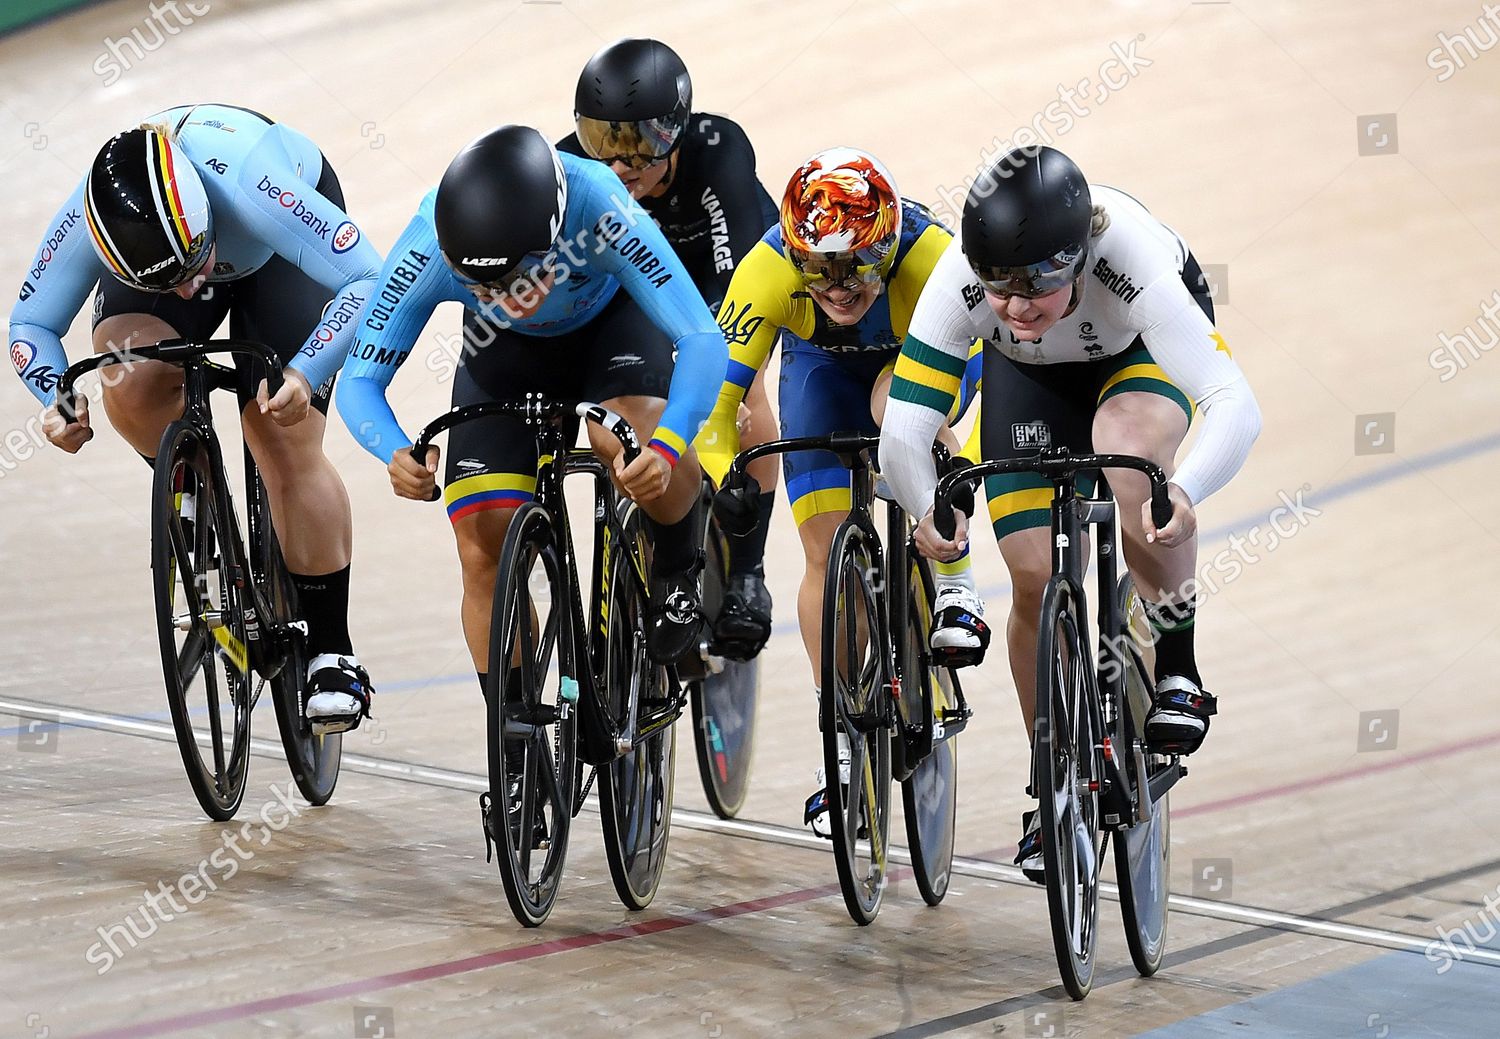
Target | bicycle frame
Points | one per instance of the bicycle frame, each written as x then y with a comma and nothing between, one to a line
1072,514
266,646
585,641
891,586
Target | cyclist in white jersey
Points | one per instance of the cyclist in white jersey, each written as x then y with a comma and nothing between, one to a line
1100,337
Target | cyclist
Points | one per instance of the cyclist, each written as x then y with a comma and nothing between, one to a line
695,174
1102,339
837,278
201,212
536,245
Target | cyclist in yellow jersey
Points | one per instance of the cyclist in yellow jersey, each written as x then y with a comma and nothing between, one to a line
837,279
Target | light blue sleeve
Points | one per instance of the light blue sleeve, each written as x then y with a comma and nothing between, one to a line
636,252
317,235
412,283
63,271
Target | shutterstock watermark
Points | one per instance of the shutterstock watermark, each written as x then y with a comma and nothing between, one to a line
1455,52
193,886
1052,123
1456,352
1445,952
20,444
162,22
1282,524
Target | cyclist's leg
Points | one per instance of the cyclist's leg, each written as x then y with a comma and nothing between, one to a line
820,393
490,469
142,398
744,623
1142,413
280,306
628,368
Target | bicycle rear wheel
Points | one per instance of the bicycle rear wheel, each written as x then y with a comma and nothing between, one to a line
635,789
929,795
856,684
530,717
1067,781
200,619
724,699
313,759
1143,852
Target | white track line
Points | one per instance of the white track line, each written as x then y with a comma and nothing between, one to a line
433,776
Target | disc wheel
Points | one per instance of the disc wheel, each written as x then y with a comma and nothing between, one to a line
856,684
313,759
635,789
724,699
200,620
929,794
1143,852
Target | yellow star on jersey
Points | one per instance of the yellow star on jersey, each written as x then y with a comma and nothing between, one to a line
1219,344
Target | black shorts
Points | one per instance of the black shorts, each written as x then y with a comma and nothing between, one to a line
276,305
1030,406
492,461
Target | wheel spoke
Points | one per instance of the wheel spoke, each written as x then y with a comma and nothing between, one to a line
527,794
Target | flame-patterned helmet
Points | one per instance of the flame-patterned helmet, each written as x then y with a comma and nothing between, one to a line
841,207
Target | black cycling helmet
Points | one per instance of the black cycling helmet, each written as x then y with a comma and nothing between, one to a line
1026,221
147,211
633,101
500,204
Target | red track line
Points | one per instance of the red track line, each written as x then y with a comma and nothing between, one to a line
1329,778
350,989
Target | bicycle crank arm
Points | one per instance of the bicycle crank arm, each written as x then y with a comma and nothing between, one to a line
1165,779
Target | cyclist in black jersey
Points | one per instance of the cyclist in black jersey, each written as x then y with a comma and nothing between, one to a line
695,174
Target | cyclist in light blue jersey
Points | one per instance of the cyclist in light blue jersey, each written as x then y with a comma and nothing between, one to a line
203,212
537,247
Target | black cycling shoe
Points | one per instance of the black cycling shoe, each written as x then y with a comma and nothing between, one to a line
1029,848
539,836
674,619
1178,721
744,623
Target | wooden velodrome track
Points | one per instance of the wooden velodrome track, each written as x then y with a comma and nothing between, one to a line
1313,874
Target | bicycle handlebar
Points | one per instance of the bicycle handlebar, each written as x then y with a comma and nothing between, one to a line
845,445
173,351
1053,463
534,409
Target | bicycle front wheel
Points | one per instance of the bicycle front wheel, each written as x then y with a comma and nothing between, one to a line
530,717
1068,773
200,619
856,715
635,789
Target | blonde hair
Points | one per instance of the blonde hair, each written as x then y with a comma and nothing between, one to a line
161,128
1098,220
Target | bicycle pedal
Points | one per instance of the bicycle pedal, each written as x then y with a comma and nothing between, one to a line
955,657
484,822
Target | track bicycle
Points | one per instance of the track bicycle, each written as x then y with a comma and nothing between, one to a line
227,617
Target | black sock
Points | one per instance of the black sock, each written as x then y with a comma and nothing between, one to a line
748,553
676,545
325,608
148,459
484,683
1172,624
